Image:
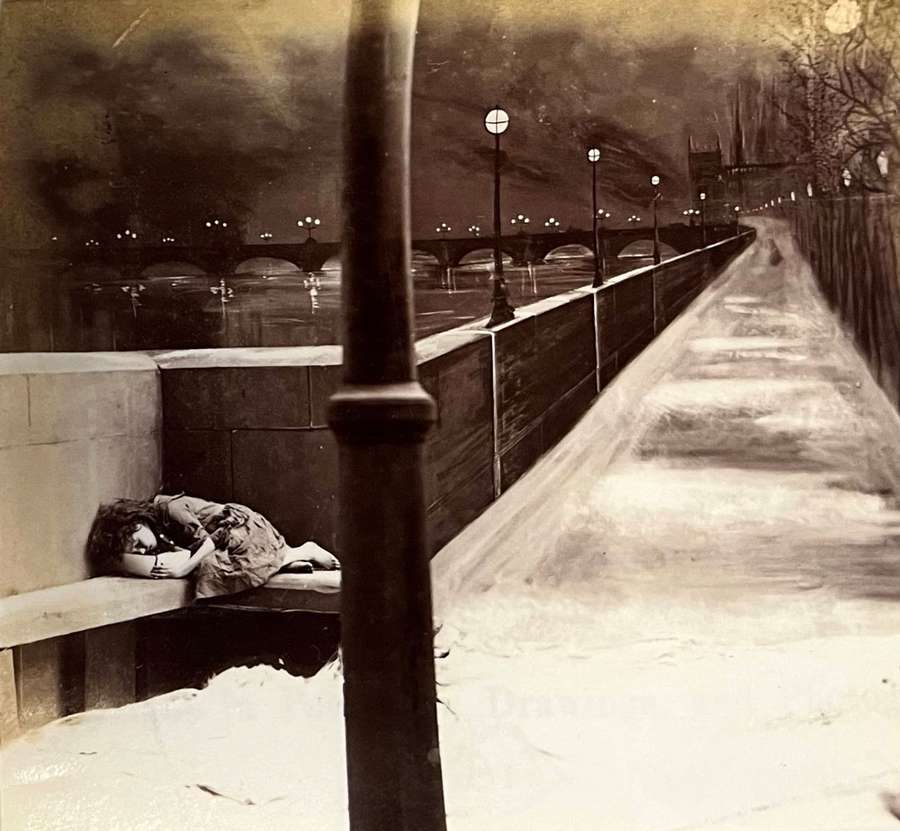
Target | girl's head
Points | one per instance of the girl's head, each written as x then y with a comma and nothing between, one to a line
127,525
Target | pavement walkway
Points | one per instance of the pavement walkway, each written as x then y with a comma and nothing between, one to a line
688,615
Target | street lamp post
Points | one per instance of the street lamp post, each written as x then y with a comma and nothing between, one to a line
474,230
496,123
380,415
602,216
521,220
703,217
308,223
654,180
593,156
737,214
551,224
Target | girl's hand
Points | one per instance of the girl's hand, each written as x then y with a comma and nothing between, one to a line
159,572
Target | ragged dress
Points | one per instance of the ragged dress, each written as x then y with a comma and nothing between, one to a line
249,549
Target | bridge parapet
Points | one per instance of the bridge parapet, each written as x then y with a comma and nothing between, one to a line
312,255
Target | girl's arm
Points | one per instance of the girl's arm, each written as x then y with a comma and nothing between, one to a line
206,548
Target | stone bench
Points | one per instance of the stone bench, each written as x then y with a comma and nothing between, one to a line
103,609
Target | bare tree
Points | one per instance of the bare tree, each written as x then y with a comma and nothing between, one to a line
841,87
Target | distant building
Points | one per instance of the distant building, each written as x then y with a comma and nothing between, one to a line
741,183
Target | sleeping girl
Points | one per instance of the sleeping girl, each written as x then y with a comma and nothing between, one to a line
230,547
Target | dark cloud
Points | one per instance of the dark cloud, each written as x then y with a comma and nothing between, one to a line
180,122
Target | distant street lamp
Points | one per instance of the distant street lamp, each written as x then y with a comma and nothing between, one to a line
703,216
655,180
737,214
474,230
443,229
633,218
308,223
126,235
521,220
168,240
265,236
602,215
593,156
551,224
496,123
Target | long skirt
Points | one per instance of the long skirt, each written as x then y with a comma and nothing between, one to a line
249,550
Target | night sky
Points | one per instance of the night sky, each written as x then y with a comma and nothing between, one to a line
115,111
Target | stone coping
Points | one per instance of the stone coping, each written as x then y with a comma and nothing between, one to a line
56,363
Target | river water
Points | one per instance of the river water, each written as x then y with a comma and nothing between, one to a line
272,304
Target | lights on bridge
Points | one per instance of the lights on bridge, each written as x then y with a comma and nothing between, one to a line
602,214
127,234
702,195
443,229
474,230
551,224
168,240
216,224
308,223
521,220
265,236
633,219
92,243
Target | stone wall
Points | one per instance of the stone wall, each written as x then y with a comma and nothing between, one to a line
75,430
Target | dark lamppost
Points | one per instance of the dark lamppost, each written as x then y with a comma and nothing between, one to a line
602,216
380,415
703,216
654,180
496,123
593,156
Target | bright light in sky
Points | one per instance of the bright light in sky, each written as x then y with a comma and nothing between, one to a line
842,17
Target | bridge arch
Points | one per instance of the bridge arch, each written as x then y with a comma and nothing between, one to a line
642,247
267,266
482,256
570,251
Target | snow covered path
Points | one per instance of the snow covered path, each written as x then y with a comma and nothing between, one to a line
686,616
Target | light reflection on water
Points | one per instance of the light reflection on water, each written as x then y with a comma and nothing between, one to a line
281,307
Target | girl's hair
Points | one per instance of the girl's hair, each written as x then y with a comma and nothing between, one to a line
112,526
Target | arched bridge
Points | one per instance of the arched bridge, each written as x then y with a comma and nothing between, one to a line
312,255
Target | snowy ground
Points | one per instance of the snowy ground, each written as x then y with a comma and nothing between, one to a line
687,616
